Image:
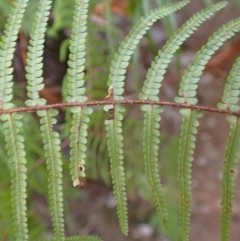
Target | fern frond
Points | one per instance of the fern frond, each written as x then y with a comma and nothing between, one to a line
150,91
14,141
186,149
117,74
78,144
54,165
230,101
16,153
76,91
151,141
158,68
115,148
232,89
50,138
187,94
121,59
194,70
7,50
34,66
228,186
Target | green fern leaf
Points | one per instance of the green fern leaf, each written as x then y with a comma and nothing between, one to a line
150,149
54,165
186,148
192,75
78,143
16,153
76,92
228,187
50,138
158,68
150,91
115,83
187,94
121,59
230,101
14,141
232,89
115,148
7,50
35,54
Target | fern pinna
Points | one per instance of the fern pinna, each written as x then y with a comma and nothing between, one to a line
187,94
230,101
51,138
113,125
150,91
76,92
12,123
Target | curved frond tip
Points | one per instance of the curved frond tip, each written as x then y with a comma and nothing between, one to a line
190,79
121,58
158,68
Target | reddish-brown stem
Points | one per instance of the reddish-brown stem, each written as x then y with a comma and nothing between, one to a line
122,102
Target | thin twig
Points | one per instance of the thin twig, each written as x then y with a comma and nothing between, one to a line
122,102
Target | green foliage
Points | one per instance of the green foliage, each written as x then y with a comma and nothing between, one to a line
16,153
230,101
195,69
117,75
185,158
121,59
187,94
54,165
150,91
151,141
12,124
228,187
232,89
115,147
50,138
75,89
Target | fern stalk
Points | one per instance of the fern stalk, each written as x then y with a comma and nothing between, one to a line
12,124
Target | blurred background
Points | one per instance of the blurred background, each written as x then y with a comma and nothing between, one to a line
92,209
